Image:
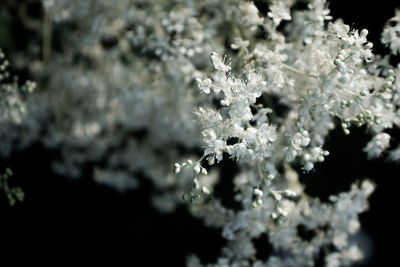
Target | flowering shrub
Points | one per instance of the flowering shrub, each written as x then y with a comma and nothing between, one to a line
12,111
139,95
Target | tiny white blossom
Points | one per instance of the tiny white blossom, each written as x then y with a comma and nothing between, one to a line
391,34
279,11
377,145
239,43
218,63
204,85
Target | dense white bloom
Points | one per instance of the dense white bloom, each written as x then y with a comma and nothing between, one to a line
377,145
394,155
218,63
204,85
269,105
250,17
391,34
239,43
280,10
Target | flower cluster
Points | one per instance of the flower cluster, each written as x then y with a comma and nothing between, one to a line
12,112
141,87
391,34
12,107
13,194
321,75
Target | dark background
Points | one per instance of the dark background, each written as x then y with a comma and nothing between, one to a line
71,218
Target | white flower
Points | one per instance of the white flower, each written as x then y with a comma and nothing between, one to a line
312,74
204,85
218,63
279,11
267,133
377,145
238,151
239,43
391,34
215,148
250,15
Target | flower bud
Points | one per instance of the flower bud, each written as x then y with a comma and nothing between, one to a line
290,193
196,184
185,197
369,45
258,192
364,33
177,170
309,165
196,168
205,190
